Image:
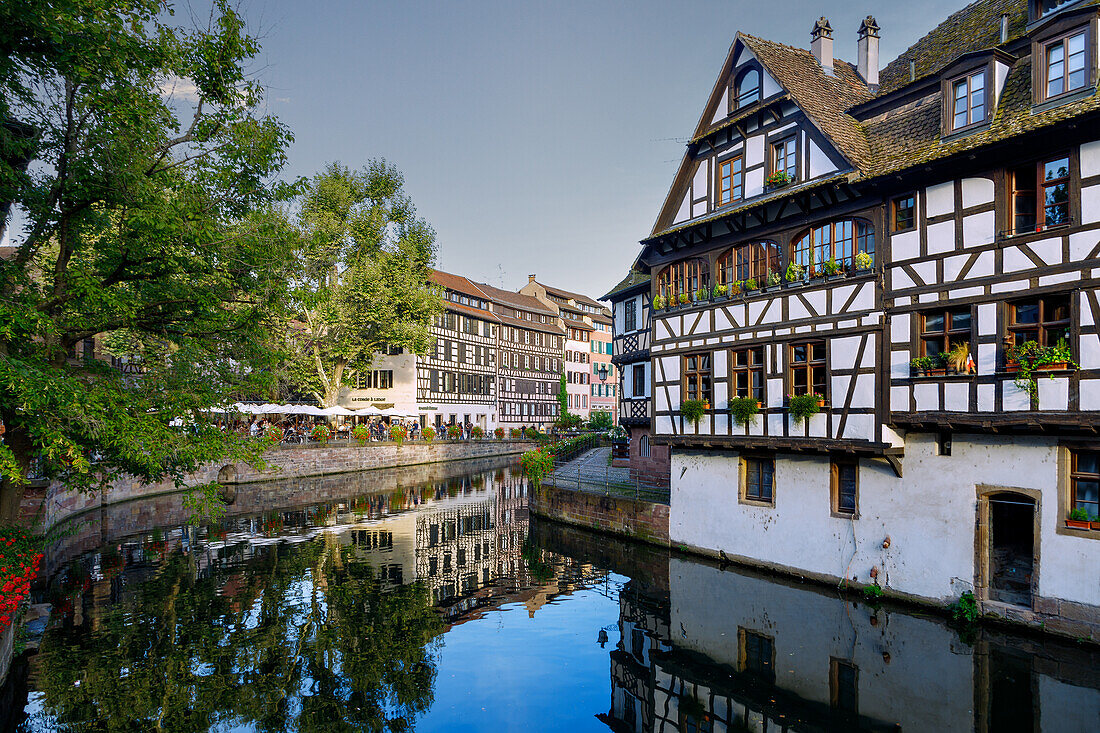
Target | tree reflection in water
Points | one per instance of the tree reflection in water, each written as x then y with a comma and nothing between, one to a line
300,636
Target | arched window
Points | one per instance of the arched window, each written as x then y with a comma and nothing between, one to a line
683,277
643,446
747,88
839,240
748,262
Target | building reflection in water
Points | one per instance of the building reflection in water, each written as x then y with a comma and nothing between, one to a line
733,651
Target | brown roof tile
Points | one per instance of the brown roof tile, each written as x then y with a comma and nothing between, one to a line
974,28
825,99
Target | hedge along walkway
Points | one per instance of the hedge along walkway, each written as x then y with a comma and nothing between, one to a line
593,473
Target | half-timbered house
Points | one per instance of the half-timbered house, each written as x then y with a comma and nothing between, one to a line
630,307
457,377
899,268
530,359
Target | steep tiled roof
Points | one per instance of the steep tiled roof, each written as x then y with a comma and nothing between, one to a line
574,296
974,28
825,99
633,279
910,135
457,283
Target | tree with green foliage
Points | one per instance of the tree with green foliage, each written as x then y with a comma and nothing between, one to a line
363,261
563,396
600,420
145,228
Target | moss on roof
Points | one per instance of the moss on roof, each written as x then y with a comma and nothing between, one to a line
633,279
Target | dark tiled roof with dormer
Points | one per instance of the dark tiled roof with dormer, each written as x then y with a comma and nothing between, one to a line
634,279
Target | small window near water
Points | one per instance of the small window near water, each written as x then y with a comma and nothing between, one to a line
1085,482
845,484
758,479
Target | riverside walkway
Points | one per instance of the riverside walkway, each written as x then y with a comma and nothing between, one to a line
592,472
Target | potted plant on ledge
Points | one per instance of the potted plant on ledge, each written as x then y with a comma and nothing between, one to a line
684,299
832,269
658,303
929,366
805,406
721,291
864,261
795,272
701,295
1078,519
744,409
693,410
779,179
1029,357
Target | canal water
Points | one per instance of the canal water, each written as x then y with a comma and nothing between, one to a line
430,600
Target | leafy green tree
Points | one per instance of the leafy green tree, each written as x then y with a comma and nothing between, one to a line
600,420
144,228
563,395
363,264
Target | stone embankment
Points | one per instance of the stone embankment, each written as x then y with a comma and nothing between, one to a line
588,492
56,504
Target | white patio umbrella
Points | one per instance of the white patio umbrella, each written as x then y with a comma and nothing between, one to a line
338,410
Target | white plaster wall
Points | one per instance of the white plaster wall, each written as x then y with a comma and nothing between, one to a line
940,199
403,392
929,516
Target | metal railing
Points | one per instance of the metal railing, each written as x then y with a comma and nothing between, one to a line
605,480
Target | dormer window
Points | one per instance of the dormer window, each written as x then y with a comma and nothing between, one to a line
747,88
968,100
1043,8
1065,62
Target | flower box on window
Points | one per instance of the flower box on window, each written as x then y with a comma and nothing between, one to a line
779,179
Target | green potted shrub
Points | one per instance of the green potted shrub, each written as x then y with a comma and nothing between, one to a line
864,261
795,272
1078,519
693,410
658,303
398,433
428,433
736,288
744,409
750,284
684,298
361,433
1029,357
927,366
831,267
721,291
805,406
532,434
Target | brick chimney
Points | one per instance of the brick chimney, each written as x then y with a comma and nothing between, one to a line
821,44
530,278
867,52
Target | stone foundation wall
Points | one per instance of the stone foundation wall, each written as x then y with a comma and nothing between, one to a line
652,469
640,520
285,462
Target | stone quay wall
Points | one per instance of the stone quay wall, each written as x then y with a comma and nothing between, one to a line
640,520
284,462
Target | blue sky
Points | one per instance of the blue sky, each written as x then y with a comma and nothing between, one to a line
536,137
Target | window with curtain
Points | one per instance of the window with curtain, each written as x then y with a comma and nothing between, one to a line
839,240
682,277
748,261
